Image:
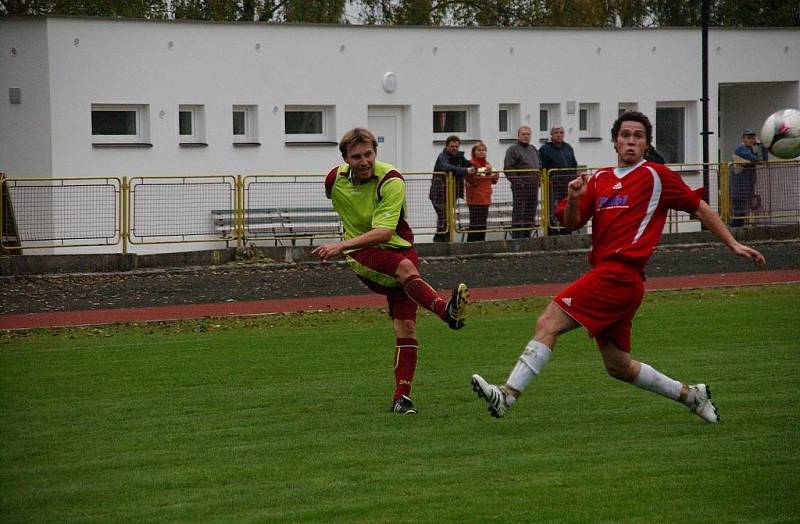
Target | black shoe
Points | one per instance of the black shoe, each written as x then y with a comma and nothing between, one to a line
404,406
456,306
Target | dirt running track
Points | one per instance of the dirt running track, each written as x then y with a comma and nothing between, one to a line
236,290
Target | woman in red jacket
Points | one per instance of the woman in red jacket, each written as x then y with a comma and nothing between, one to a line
479,192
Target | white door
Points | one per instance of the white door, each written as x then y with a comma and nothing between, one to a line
385,123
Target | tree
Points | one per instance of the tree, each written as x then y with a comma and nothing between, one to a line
317,11
154,9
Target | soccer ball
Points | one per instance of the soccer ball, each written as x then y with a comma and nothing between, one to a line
781,133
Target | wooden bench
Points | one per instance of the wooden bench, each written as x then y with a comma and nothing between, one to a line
281,223
499,218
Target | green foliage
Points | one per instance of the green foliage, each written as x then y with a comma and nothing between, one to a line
578,13
285,418
317,11
497,13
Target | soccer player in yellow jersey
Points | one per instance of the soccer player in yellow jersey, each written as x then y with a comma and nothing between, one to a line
378,244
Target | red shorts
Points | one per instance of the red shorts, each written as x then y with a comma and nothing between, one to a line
604,301
376,267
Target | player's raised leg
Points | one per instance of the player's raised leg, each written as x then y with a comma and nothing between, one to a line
451,311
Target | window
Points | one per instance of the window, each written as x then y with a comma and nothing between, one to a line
626,107
549,116
508,120
245,125
455,120
190,124
120,124
588,120
309,123
671,125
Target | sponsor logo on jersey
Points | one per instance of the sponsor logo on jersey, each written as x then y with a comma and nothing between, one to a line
618,185
613,201
567,301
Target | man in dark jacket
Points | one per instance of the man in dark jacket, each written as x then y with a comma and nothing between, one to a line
523,161
743,176
559,155
450,160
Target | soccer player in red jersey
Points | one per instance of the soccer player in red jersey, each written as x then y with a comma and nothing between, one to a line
628,206
370,198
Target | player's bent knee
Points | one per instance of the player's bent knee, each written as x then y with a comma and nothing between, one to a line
620,371
405,269
405,328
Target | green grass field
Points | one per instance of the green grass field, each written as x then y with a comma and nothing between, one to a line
285,418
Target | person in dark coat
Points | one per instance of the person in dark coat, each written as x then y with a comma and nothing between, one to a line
450,160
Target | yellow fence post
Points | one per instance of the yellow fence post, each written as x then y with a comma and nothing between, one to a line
239,211
545,177
724,192
450,206
124,222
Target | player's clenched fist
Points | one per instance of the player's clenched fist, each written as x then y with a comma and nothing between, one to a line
577,186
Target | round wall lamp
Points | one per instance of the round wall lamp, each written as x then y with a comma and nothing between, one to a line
389,82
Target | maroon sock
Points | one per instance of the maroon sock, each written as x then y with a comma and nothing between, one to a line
405,363
423,294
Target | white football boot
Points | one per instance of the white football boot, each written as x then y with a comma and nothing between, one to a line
702,405
495,396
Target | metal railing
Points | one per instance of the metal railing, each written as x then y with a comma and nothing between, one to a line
107,211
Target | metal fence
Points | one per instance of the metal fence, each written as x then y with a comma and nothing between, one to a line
171,210
55,213
61,212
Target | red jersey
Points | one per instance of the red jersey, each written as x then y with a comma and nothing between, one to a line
628,207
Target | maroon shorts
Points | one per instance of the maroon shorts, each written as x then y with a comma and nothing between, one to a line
604,301
376,267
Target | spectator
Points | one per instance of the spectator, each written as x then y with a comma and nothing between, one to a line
478,187
524,184
743,176
450,160
559,155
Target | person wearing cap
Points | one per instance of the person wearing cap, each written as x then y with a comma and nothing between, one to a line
743,176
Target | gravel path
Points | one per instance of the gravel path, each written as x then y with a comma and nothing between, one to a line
245,282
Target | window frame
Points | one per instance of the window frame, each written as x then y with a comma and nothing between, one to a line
328,133
553,112
196,112
512,123
250,135
592,110
471,121
142,123
686,138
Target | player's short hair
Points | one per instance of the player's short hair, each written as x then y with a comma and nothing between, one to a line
452,138
357,135
632,116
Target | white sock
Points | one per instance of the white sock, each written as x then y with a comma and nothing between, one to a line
529,365
657,382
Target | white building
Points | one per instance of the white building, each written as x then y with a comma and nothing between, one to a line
101,97
58,72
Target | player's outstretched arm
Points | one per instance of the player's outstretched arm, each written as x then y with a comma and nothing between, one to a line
714,224
373,237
